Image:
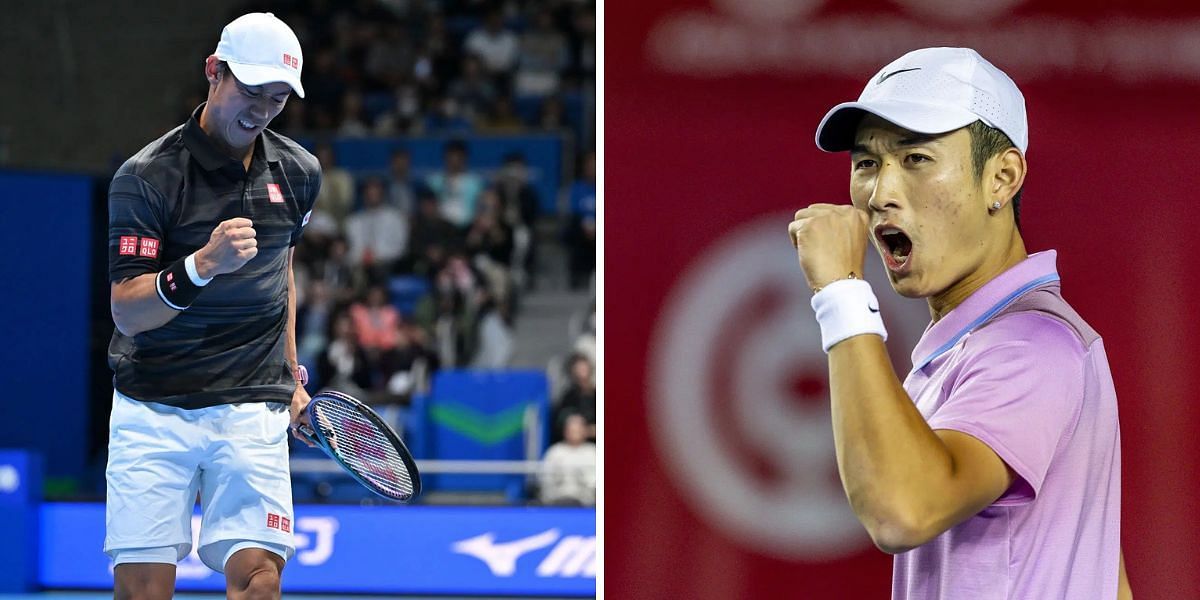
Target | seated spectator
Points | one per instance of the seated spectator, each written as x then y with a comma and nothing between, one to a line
520,206
580,397
378,233
352,122
402,188
343,365
496,339
489,241
581,225
502,118
568,473
376,322
456,187
430,230
335,199
312,322
473,92
445,118
543,56
495,46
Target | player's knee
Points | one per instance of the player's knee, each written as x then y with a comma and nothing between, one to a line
256,581
263,585
143,582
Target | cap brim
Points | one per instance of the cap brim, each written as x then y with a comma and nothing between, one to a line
263,74
837,130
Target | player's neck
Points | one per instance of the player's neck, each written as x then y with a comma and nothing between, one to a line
244,154
1014,252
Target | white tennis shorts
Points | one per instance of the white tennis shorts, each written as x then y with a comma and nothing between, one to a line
159,457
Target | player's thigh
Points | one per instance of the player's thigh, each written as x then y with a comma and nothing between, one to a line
245,488
144,581
152,478
253,573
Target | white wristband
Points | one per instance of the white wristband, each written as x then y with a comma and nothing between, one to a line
189,263
846,308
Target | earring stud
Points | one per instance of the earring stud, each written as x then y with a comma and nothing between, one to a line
996,205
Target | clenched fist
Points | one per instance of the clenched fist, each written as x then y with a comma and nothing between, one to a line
229,248
831,242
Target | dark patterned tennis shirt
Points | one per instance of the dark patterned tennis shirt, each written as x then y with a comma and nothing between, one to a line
163,204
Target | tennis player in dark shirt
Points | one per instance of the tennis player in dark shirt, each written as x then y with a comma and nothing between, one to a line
202,226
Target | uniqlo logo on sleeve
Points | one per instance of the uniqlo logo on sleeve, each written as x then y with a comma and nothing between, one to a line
149,248
285,524
272,520
274,192
128,246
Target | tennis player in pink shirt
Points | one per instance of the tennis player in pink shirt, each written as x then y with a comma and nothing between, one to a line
994,470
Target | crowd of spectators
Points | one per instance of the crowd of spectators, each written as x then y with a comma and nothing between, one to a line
401,271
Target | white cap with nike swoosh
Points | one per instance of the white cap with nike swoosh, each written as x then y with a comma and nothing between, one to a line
931,91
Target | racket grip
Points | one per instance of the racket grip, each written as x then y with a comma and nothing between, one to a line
308,433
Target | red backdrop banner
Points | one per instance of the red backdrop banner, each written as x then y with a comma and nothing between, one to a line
720,478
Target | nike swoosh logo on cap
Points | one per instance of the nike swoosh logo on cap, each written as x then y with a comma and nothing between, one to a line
883,78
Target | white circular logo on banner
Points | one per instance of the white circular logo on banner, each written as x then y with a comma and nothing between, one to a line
769,12
739,396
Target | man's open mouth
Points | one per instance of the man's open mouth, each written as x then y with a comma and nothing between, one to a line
895,245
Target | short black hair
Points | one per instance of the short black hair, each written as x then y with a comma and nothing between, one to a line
986,142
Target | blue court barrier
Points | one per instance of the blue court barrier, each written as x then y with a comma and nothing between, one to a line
20,492
438,550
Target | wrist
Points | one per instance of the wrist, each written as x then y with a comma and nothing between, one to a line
846,308
176,287
193,270
300,373
204,269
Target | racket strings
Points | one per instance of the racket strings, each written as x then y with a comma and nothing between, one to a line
359,442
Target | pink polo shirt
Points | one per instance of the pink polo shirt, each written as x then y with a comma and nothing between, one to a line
1017,368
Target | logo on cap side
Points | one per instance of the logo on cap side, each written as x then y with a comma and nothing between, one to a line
885,77
291,61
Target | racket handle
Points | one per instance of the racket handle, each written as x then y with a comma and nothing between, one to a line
308,433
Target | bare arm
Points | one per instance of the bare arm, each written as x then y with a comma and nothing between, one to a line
135,303
136,306
906,482
290,343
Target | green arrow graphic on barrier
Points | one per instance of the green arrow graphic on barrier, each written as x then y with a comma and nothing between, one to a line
483,428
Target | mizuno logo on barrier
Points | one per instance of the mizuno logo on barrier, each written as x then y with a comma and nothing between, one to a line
571,556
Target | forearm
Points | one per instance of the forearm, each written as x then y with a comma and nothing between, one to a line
893,467
290,342
137,307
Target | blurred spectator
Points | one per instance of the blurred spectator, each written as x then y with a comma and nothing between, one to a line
390,58
502,118
312,322
323,89
402,188
496,339
543,57
432,236
553,116
378,233
376,321
581,224
520,205
353,123
472,91
580,397
489,241
496,46
336,196
343,365
568,474
445,118
456,187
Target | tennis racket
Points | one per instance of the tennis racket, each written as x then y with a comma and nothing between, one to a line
360,441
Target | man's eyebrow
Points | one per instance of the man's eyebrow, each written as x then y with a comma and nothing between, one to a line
916,140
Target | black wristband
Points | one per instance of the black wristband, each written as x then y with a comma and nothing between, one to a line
175,287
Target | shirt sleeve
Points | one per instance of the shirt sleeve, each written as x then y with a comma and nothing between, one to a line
136,224
306,206
1020,394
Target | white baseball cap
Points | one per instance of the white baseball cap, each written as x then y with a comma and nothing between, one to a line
931,91
262,49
